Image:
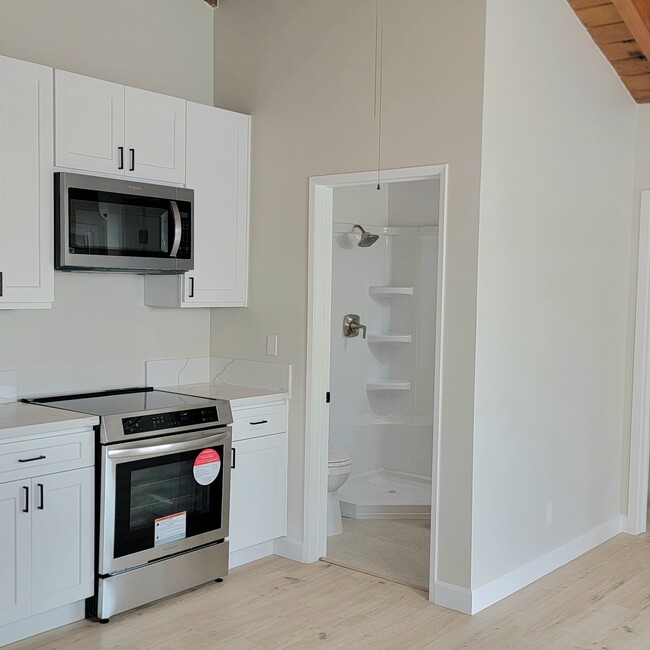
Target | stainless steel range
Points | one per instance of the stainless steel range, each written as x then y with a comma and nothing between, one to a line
163,493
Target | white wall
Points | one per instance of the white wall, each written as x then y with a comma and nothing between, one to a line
304,69
99,332
414,203
553,291
641,183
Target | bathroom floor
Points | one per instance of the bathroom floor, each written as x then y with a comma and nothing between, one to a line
397,549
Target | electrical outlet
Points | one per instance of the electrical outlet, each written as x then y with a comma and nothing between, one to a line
272,345
549,513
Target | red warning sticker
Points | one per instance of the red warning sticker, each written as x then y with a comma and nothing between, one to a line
207,466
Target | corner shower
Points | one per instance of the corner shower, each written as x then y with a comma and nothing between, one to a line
381,381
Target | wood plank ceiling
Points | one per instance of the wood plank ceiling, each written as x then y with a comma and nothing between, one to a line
621,29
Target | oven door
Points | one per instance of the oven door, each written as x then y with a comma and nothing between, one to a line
163,496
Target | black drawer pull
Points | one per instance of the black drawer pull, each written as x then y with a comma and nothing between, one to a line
260,422
29,460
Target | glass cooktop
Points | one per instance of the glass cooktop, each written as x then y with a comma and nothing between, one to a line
118,402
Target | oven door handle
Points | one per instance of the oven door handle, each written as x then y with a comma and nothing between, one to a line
178,232
169,448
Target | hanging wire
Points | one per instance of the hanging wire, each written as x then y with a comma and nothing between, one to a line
379,76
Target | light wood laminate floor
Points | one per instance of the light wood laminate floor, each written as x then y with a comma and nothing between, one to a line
601,600
395,548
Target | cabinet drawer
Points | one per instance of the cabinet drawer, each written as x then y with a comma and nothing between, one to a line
24,459
257,421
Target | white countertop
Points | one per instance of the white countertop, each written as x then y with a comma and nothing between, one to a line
20,420
238,396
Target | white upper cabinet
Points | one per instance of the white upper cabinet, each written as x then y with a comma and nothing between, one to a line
26,201
108,128
89,123
154,136
218,172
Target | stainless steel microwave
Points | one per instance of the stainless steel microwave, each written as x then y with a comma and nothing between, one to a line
107,224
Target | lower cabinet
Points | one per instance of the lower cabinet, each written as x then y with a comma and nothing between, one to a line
62,540
258,501
47,492
258,490
15,555
46,542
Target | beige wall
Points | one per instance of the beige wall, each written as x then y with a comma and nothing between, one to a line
553,291
99,332
164,46
304,69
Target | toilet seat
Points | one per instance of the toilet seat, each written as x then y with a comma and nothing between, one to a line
337,458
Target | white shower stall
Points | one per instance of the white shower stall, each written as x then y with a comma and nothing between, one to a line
381,410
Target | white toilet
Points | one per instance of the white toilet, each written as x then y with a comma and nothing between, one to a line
339,466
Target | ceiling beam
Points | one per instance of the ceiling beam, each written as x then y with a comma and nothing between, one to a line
636,15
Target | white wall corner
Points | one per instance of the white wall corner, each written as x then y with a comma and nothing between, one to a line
453,597
505,585
289,548
8,386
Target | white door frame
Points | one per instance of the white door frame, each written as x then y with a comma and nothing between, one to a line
321,190
637,505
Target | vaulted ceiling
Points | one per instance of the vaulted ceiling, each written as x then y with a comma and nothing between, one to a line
621,29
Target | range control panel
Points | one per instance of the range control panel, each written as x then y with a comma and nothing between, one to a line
171,420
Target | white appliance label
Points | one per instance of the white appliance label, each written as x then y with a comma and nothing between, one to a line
169,529
207,466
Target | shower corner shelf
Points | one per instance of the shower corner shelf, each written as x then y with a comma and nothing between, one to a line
388,385
390,338
390,291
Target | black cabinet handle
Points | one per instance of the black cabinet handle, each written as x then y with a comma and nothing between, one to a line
234,458
29,460
120,164
26,495
132,167
260,422
0,283
191,294
41,497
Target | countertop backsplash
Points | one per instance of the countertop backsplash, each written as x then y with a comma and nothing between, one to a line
219,370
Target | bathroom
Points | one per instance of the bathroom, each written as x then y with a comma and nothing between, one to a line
382,354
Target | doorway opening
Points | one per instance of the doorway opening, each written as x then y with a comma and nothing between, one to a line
375,307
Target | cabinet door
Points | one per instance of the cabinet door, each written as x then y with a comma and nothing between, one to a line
218,172
62,538
89,123
155,136
15,544
26,202
258,492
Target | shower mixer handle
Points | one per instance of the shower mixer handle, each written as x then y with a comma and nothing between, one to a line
351,326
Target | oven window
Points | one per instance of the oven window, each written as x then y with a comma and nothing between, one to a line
148,490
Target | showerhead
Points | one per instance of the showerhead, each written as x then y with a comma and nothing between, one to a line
367,238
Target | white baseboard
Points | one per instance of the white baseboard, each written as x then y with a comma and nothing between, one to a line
453,597
494,591
42,622
249,554
289,548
